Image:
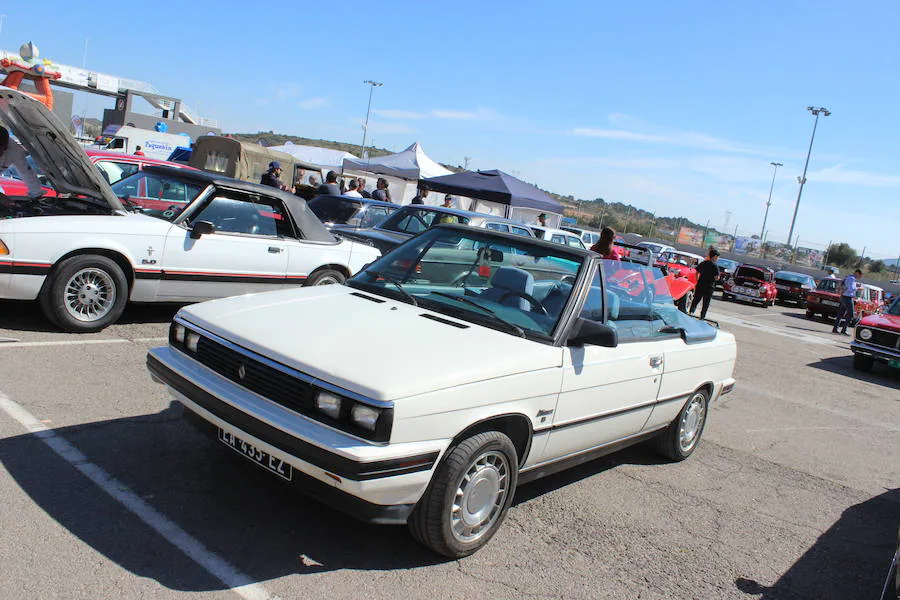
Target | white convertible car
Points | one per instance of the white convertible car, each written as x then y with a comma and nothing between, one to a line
84,256
478,360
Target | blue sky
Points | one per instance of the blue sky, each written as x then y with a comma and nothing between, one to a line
675,107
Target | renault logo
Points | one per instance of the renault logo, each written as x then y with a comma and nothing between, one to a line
242,372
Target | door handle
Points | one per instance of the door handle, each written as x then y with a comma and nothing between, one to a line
275,249
656,362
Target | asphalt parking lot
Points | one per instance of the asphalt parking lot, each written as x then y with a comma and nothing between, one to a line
794,492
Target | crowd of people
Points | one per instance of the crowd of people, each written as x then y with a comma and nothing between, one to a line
333,185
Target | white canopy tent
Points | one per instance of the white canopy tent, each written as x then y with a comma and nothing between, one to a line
402,171
327,158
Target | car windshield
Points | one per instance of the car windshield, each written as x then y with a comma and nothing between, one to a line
416,220
639,305
895,308
157,195
828,285
504,282
727,263
336,210
794,277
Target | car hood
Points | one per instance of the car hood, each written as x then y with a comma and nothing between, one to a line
52,147
881,321
368,344
379,237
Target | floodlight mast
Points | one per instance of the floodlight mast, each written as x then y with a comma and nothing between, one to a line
816,111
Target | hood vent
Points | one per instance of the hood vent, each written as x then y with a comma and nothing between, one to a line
369,298
444,321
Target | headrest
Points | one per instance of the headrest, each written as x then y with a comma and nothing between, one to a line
511,278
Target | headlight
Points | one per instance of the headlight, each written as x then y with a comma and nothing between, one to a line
864,334
193,340
365,416
329,403
178,333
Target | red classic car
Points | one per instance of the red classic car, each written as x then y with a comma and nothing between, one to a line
113,166
825,300
751,283
877,338
682,264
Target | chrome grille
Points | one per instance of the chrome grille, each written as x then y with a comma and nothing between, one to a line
279,387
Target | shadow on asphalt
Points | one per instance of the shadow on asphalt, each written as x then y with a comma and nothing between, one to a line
18,315
639,454
233,508
849,561
881,374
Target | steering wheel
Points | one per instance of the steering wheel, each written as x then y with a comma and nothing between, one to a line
535,304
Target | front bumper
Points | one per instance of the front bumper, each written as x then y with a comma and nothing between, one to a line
373,483
746,297
879,353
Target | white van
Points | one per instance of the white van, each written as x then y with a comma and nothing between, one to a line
153,143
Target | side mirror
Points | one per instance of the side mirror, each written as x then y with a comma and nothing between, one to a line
201,228
592,333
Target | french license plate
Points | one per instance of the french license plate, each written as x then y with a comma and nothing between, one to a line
830,303
260,457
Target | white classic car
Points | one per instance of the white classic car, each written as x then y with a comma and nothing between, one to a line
84,256
479,360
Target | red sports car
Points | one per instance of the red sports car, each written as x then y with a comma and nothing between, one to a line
751,283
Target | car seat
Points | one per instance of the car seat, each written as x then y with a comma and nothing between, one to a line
506,280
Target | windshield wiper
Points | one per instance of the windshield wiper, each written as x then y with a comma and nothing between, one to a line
395,283
511,326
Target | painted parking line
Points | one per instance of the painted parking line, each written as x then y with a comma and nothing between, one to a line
773,329
216,566
50,343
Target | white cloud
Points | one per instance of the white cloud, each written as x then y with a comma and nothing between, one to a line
838,174
280,93
313,103
397,114
616,134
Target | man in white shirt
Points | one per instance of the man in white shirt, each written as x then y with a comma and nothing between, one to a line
13,155
848,297
352,190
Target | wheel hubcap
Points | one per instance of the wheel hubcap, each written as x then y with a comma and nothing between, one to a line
480,497
90,294
327,280
692,423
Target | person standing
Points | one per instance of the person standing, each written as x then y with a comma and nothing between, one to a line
707,273
330,187
847,311
138,151
352,191
420,197
381,190
272,177
448,201
604,246
13,155
362,188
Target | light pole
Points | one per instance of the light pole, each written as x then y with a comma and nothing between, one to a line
373,84
769,201
816,112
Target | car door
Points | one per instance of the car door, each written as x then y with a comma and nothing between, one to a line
608,394
247,252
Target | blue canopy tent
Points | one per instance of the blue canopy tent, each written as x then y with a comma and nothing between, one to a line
519,199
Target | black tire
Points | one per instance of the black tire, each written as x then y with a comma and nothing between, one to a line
691,418
431,523
725,297
109,287
684,303
810,315
325,277
861,362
